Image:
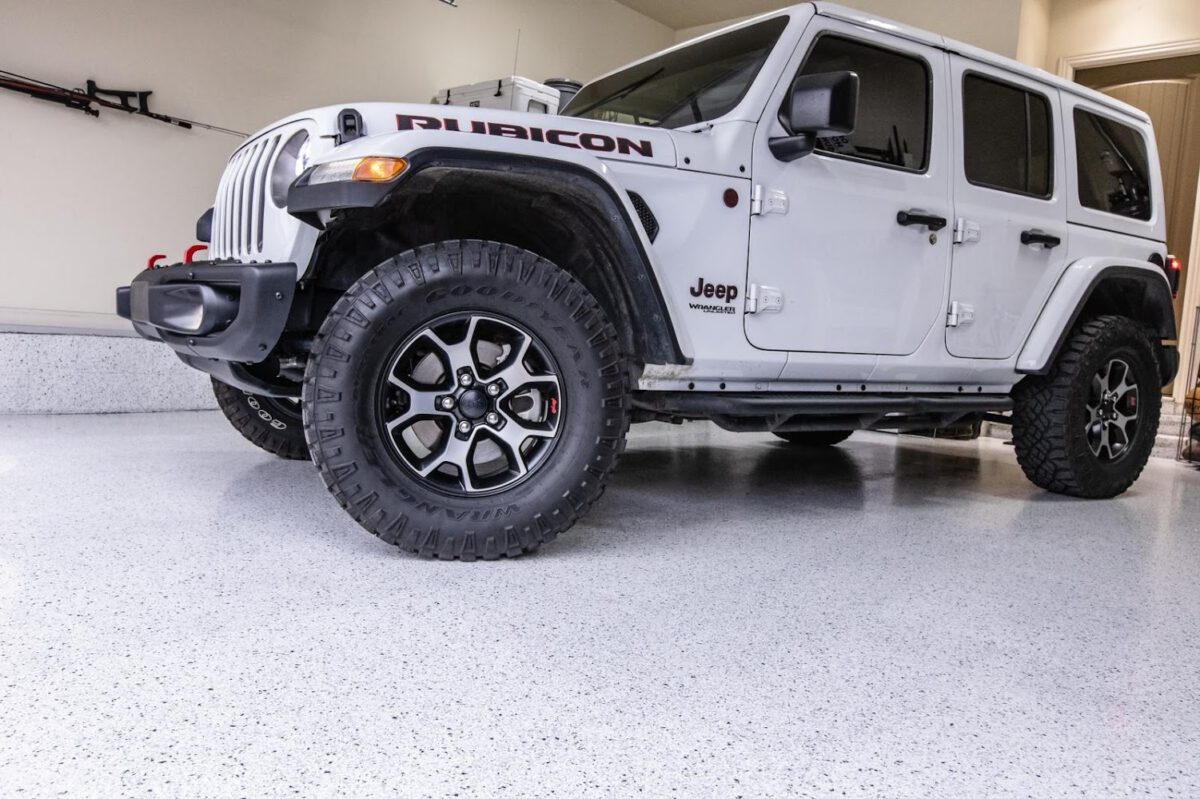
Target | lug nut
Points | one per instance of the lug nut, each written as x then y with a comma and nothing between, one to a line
464,427
447,403
493,418
465,379
493,390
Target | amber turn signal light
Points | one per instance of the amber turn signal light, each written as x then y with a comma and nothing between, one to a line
378,169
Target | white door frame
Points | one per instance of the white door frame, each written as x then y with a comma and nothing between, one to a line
1067,67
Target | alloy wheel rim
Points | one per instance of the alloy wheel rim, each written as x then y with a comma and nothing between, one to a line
1113,411
471,404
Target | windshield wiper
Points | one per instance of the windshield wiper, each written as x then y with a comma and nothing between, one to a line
621,93
693,99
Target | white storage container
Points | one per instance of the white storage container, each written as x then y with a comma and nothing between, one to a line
513,93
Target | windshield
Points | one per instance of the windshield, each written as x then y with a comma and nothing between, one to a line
694,84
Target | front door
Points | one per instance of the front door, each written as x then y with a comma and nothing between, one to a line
1011,212
859,254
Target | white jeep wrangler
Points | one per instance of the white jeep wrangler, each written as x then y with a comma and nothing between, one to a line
811,223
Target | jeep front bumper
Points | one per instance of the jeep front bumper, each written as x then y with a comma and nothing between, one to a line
214,316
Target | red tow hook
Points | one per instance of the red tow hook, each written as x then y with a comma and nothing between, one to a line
154,259
191,252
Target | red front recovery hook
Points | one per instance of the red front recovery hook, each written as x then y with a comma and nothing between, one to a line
188,256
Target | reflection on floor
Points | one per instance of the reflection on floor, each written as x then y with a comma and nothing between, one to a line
184,615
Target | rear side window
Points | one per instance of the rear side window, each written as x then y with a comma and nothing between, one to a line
1114,171
893,103
1006,137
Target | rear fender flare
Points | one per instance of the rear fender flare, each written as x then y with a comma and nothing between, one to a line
1150,304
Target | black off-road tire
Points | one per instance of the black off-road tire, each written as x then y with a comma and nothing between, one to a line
395,301
266,422
1050,416
817,438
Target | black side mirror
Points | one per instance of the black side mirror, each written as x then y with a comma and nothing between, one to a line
817,105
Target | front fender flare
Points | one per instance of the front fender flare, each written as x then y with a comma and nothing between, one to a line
657,340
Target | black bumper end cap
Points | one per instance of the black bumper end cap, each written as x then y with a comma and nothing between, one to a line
123,303
222,311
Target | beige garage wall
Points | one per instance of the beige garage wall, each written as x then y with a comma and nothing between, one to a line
1034,35
991,24
1079,27
84,201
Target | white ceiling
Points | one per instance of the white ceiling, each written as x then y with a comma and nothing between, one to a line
688,13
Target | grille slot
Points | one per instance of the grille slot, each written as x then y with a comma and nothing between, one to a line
645,215
266,161
239,215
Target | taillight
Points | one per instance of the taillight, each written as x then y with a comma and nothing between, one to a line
1173,269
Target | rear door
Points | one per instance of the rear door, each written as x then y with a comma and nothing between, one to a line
830,246
1011,221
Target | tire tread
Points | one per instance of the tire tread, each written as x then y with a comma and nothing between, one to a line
232,402
1042,404
385,286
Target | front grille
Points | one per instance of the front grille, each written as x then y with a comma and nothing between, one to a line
239,215
648,220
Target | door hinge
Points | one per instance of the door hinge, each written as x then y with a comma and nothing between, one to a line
960,314
763,201
965,231
764,299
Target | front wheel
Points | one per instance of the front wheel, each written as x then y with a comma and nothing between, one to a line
466,400
269,423
1087,428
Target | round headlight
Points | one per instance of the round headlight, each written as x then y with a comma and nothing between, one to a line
291,161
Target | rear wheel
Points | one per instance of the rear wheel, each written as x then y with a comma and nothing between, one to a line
269,423
1087,428
466,400
817,438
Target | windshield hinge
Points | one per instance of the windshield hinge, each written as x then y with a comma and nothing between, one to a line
763,201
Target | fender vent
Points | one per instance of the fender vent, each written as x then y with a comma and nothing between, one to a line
649,222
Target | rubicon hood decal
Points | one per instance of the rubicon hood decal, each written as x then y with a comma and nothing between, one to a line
577,140
420,126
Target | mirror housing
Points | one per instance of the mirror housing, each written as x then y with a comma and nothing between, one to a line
819,105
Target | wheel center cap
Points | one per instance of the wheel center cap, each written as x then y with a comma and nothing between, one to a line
473,404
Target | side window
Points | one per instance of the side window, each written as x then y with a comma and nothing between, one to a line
893,103
1006,137
1114,172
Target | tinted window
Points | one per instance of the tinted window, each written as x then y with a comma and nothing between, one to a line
1006,137
1114,172
698,83
893,103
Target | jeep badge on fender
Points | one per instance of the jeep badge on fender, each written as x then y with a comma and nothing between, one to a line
705,289
457,313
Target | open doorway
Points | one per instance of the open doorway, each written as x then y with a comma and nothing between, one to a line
1168,90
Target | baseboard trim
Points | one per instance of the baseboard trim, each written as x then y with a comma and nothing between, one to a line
73,323
46,374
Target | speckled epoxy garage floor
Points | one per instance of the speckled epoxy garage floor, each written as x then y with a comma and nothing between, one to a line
182,615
